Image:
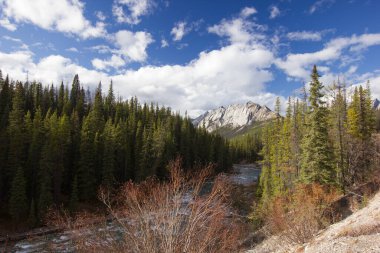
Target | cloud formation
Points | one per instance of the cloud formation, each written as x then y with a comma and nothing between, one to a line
274,12
130,47
305,35
135,10
63,16
179,30
298,65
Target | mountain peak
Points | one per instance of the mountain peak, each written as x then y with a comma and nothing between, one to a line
234,116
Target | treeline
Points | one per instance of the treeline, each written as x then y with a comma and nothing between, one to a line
246,148
58,145
321,140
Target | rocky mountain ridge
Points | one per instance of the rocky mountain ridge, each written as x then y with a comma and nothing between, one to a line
234,116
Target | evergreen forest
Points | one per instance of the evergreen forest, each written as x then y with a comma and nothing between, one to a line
59,144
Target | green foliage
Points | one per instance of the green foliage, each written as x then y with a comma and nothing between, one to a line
74,200
317,143
18,207
317,164
69,143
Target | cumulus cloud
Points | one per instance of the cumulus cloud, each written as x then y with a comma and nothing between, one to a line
206,82
115,62
247,11
130,47
238,30
179,30
164,43
100,15
133,45
135,9
72,49
274,12
58,15
298,65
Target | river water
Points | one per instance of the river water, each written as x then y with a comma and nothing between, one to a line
61,242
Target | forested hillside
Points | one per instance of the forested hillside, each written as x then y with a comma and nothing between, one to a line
323,145
59,144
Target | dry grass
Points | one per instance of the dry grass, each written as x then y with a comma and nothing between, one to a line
356,231
171,217
299,215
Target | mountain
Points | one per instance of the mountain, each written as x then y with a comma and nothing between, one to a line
234,119
376,104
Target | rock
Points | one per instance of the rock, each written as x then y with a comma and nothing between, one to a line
234,116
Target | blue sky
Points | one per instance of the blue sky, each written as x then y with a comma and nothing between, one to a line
192,55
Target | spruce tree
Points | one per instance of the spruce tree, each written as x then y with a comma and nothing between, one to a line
74,199
317,165
108,154
18,205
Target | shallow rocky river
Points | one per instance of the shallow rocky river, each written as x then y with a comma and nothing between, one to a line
61,242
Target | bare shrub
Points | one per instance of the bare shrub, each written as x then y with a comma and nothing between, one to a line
300,214
153,216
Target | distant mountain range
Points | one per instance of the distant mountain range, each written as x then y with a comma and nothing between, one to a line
234,119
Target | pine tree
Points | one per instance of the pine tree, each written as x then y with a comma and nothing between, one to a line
45,200
18,207
339,131
317,164
74,200
108,154
86,172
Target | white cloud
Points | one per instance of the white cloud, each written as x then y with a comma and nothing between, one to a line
248,11
136,9
133,45
59,15
274,12
164,43
115,62
7,24
130,47
238,30
72,49
298,65
179,30
206,82
305,35
22,45
101,49
100,15
320,4
6,37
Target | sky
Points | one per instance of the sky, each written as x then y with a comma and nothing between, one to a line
192,55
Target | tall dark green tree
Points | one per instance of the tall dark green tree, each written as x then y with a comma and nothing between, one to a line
317,165
18,205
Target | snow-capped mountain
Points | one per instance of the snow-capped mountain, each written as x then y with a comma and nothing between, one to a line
236,116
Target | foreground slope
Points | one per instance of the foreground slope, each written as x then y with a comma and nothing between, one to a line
359,232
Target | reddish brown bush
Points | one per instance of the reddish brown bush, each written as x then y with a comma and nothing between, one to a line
174,216
300,214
